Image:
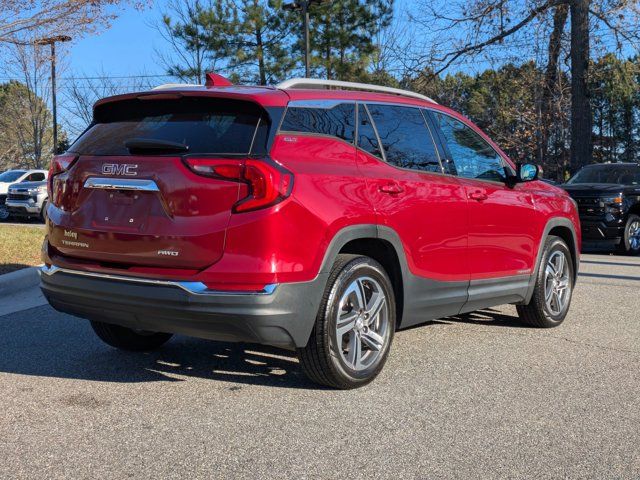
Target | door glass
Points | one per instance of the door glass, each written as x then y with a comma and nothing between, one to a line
36,177
367,139
405,137
472,156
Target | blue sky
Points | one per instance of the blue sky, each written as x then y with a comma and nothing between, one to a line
124,49
127,48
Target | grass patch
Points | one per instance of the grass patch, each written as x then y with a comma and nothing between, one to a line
20,247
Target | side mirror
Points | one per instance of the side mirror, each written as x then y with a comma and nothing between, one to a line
528,172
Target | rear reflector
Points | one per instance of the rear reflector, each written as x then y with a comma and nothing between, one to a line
269,183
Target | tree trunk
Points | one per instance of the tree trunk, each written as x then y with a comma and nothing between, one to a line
260,54
581,142
560,15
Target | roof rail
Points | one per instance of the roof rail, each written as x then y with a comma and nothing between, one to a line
339,85
175,85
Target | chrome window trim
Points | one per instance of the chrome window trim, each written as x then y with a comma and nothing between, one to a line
194,288
138,185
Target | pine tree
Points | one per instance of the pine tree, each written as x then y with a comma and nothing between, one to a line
200,34
342,34
262,42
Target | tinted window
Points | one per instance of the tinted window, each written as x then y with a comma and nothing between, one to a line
11,175
405,138
337,120
35,177
367,139
205,126
625,175
472,155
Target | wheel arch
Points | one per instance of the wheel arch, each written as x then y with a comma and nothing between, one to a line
561,227
380,243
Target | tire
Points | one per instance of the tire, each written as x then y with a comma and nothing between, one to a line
543,311
127,339
630,244
4,213
356,355
43,212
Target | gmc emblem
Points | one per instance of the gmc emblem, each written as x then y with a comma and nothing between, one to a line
119,169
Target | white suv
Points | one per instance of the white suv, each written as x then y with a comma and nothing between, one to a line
11,177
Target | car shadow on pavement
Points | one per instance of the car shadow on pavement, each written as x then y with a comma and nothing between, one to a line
488,317
41,342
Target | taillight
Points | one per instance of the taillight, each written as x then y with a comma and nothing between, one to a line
59,164
268,183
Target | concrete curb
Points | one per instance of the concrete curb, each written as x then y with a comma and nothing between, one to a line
19,280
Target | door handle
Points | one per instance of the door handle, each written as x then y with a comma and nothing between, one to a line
478,195
391,188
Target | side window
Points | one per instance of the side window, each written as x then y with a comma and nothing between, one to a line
337,120
35,177
472,155
405,138
367,139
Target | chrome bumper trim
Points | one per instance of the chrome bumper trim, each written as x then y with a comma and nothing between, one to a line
137,185
194,288
28,205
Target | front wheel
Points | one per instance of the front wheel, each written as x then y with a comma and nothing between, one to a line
125,338
630,244
354,327
553,288
43,212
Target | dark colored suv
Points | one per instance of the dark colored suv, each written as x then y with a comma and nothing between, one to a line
300,217
608,197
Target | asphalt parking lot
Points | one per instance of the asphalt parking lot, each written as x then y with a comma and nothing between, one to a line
471,397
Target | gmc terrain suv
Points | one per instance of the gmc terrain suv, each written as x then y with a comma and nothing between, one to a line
317,216
608,197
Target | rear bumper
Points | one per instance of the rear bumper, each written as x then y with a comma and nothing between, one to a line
282,315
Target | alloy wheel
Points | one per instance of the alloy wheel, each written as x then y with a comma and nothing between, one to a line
634,235
557,283
362,324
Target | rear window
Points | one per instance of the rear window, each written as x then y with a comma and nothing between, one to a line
204,125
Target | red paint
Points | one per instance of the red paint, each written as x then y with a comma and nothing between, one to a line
452,229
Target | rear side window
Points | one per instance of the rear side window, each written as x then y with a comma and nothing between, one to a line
472,155
204,125
367,139
324,119
35,177
405,138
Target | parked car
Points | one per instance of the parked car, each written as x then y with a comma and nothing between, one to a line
608,197
16,176
28,200
302,217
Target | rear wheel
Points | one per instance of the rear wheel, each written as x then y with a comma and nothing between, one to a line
354,328
127,339
630,244
553,289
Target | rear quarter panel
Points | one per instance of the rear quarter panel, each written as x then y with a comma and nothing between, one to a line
287,242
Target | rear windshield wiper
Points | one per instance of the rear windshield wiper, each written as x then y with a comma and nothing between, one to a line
152,145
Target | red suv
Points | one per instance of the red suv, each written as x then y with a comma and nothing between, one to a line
316,216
